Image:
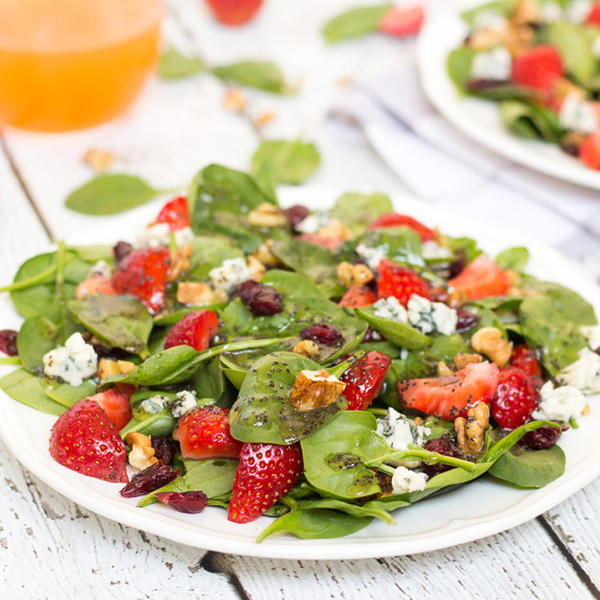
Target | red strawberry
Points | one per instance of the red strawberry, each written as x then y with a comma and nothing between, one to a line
266,473
450,397
330,243
480,279
593,17
364,379
85,440
538,68
589,151
204,433
175,213
143,273
358,296
400,282
515,399
115,402
396,220
523,357
234,12
195,329
95,284
402,21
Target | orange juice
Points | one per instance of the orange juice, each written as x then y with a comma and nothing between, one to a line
70,64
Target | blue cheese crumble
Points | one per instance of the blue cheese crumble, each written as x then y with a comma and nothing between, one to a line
155,403
405,481
495,64
559,404
391,309
73,362
584,373
431,317
159,234
230,274
184,402
315,221
399,431
101,268
578,115
372,256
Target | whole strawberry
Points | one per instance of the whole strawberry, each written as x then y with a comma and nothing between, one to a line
364,379
204,433
524,358
234,12
515,399
398,220
266,473
175,214
85,440
400,282
195,330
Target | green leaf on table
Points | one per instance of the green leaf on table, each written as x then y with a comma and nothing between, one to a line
458,65
110,194
287,161
513,258
175,65
354,23
357,211
262,75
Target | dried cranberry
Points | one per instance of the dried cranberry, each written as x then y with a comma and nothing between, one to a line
121,250
443,446
542,438
439,294
296,214
148,480
8,342
164,449
323,333
187,502
260,299
597,350
474,85
570,148
456,267
465,320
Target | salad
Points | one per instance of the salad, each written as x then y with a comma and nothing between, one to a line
540,61
321,367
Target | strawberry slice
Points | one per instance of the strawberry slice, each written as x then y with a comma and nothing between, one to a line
402,21
175,214
115,402
234,12
538,68
480,279
593,17
358,296
524,358
96,283
204,433
143,273
397,220
85,440
450,397
400,282
195,329
589,151
324,241
515,399
364,379
266,473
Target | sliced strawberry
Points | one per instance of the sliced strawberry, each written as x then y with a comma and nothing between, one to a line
397,220
143,273
195,329
85,440
401,21
450,397
266,473
175,213
204,433
524,358
358,296
330,243
515,399
364,379
400,282
95,284
589,151
538,68
234,12
115,402
480,279
593,17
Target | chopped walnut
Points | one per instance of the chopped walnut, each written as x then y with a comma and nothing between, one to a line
99,160
315,389
234,100
191,292
141,455
180,262
256,268
264,118
443,370
350,274
586,410
335,229
562,88
267,215
306,348
518,38
464,359
265,254
487,38
526,12
470,431
489,341
108,367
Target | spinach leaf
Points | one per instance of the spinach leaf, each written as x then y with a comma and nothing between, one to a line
356,510
66,394
574,42
119,321
210,382
152,424
262,75
293,285
401,334
458,65
263,411
503,7
531,121
175,65
513,258
287,162
27,389
357,210
110,194
209,252
354,23
400,244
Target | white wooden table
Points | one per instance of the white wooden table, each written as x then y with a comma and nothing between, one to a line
51,548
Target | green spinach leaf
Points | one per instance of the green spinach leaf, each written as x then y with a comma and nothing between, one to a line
287,161
401,334
458,65
513,258
354,23
358,210
175,65
27,389
262,75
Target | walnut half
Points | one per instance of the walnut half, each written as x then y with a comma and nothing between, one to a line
315,389
489,341
142,452
470,431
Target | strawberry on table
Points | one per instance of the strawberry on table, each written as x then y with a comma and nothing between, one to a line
449,397
85,440
589,151
234,12
538,68
400,282
364,379
401,21
358,296
195,329
398,220
480,279
116,403
143,273
175,214
266,473
204,433
515,399
524,358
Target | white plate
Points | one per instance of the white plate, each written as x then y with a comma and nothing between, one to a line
474,511
480,119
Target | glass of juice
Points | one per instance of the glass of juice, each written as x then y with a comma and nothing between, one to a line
71,64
